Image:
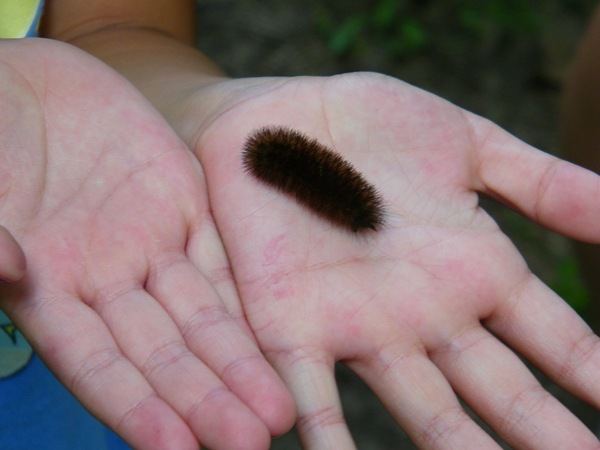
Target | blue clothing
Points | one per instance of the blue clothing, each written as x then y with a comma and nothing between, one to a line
38,413
36,410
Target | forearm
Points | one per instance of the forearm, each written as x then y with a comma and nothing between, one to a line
152,48
581,102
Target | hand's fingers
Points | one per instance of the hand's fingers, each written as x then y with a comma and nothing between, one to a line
420,399
218,340
204,248
552,192
502,391
12,259
149,338
544,329
311,379
81,352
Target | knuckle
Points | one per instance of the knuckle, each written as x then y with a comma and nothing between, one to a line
442,426
94,365
326,417
164,356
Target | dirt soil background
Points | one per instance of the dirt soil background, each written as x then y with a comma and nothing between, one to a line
505,60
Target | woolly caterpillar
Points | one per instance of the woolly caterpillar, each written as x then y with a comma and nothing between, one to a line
316,176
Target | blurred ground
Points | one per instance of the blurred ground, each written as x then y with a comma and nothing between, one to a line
502,59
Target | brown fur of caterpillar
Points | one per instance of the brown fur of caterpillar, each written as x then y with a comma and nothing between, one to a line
316,176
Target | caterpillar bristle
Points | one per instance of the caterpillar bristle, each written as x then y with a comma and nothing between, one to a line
316,176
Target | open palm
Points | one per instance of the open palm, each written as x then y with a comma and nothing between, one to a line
436,304
128,296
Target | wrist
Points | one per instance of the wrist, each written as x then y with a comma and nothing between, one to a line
166,70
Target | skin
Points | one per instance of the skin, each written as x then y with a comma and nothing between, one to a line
12,259
440,300
437,304
128,296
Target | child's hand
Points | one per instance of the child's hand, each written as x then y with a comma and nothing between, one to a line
438,303
128,296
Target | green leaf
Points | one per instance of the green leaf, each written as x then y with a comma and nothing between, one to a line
347,34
